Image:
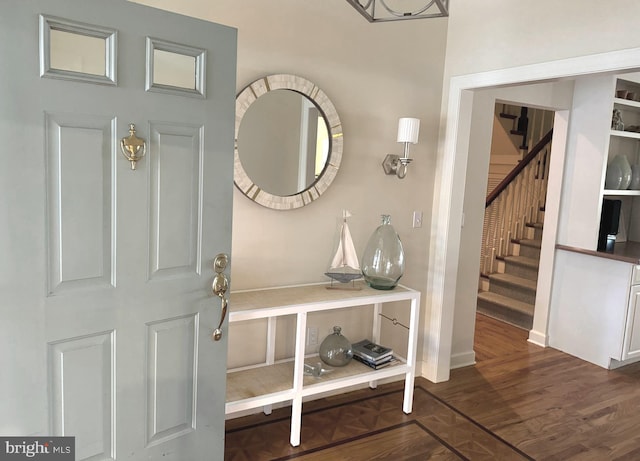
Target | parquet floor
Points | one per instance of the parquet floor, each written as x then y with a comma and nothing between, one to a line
519,402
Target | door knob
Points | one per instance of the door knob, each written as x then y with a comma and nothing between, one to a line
220,286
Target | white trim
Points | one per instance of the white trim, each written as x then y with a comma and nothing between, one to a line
448,193
539,331
537,338
463,359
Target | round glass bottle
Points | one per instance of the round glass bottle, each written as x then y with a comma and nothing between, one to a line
335,349
383,258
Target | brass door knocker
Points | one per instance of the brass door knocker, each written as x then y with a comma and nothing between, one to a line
132,145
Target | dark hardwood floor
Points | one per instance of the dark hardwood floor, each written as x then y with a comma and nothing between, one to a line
519,401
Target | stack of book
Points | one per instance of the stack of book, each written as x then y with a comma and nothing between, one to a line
372,354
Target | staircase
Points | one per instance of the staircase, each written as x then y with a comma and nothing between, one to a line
512,232
511,294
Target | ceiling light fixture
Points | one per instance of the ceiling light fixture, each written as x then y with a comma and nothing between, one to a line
389,10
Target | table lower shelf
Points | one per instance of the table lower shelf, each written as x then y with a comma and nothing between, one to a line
269,384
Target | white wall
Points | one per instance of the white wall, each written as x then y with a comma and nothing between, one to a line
499,34
374,74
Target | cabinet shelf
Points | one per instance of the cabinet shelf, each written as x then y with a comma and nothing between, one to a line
621,192
625,134
626,102
246,388
624,144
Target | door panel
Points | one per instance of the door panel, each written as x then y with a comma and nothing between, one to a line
81,382
106,311
171,405
176,201
79,175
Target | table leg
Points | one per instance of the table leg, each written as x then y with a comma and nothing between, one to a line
298,379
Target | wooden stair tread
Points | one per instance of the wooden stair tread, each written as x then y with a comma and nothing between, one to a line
522,261
533,243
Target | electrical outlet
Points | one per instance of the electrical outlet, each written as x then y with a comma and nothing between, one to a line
417,219
312,336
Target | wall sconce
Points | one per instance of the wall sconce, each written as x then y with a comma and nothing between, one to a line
408,129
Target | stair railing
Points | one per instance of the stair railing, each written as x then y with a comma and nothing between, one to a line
516,201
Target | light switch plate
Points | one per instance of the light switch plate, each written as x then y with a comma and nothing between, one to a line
417,219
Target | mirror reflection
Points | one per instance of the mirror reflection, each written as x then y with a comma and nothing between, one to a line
283,142
174,69
288,142
77,53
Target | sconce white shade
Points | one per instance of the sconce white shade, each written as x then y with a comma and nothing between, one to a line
408,130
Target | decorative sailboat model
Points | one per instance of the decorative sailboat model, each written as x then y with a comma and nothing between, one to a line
344,267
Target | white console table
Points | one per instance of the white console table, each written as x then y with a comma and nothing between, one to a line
273,382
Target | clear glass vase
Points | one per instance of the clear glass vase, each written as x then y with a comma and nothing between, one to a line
383,258
335,349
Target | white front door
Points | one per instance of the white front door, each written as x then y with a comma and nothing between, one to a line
106,308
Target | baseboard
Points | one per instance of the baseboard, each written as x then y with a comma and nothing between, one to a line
429,371
537,338
464,359
613,364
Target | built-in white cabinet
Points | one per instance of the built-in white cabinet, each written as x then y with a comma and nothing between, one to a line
596,301
594,310
284,381
624,141
632,331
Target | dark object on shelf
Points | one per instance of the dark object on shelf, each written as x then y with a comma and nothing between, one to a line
376,366
609,220
335,349
371,351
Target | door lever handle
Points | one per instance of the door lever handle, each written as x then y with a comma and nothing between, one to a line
220,286
217,333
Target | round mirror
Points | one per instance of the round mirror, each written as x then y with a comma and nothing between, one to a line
288,142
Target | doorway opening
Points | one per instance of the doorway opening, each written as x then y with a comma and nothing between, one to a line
447,324
519,162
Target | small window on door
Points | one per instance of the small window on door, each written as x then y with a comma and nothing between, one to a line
77,51
175,68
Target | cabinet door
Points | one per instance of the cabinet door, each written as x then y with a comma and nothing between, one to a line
632,331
